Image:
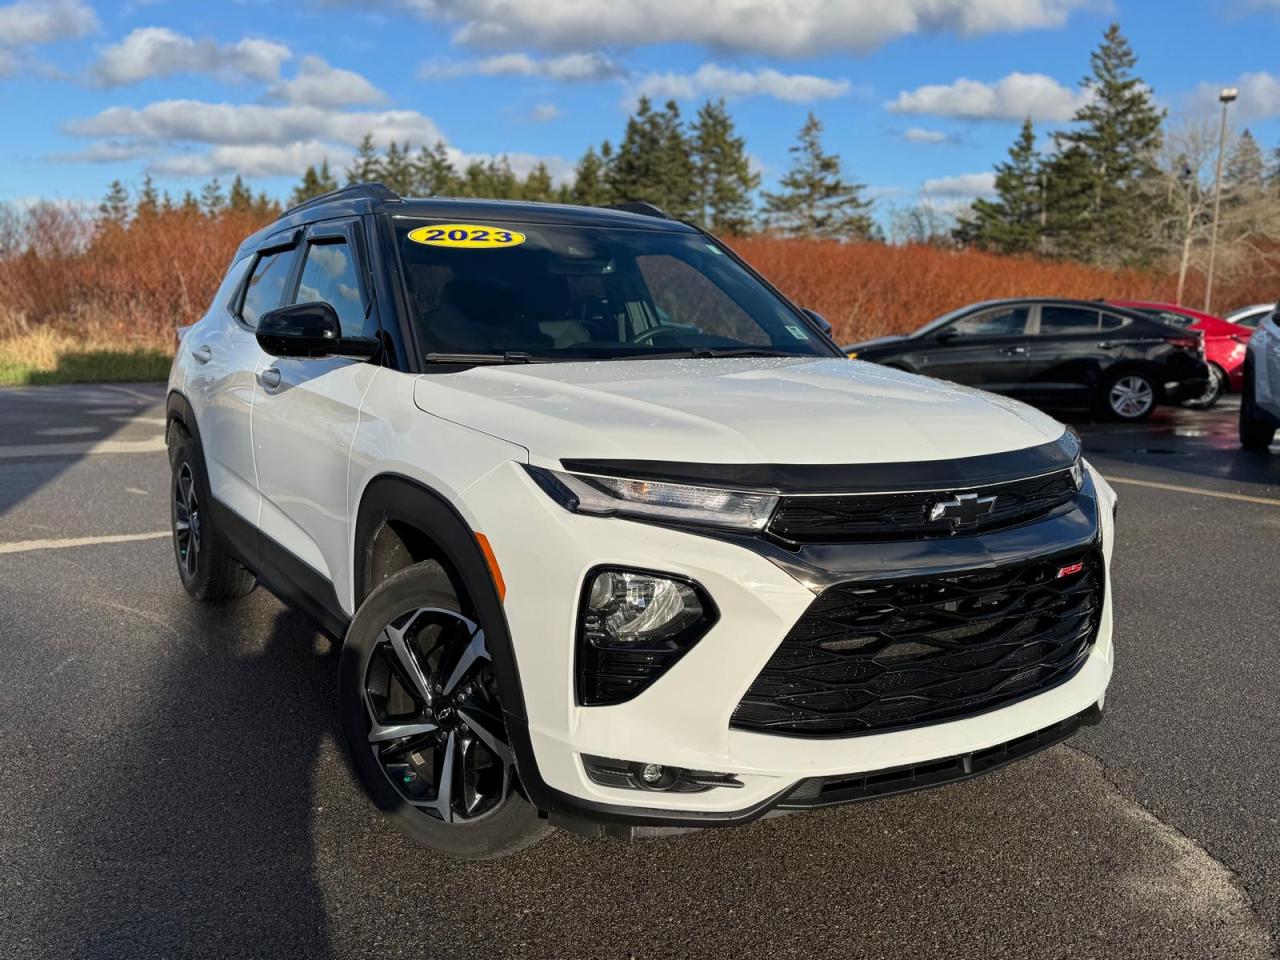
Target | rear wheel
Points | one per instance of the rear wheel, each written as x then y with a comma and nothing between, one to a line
424,723
1257,430
1129,396
207,570
1213,392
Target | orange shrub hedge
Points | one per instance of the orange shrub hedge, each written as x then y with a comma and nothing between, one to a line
134,284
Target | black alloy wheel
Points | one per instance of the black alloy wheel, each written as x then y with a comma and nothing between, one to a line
435,727
424,721
186,521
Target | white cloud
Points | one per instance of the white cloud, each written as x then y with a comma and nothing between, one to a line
252,160
1014,97
921,135
8,63
106,151
1259,95
777,27
711,80
160,52
44,21
568,68
545,113
318,84
243,124
964,185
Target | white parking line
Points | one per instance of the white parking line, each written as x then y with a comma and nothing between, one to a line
23,546
86,448
1175,488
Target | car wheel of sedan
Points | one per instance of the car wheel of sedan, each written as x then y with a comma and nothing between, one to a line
424,724
1129,396
1213,392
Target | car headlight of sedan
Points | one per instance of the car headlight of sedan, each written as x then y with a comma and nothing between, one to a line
656,500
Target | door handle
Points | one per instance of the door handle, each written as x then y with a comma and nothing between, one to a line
1015,351
269,378
202,353
1107,345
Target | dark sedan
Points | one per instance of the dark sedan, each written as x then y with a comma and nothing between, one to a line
1054,351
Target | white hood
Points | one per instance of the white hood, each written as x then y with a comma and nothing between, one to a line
735,410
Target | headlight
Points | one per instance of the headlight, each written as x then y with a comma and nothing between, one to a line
1077,473
615,496
633,626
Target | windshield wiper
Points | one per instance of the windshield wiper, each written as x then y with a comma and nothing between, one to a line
708,353
507,356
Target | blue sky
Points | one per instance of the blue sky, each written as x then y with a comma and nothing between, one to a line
916,95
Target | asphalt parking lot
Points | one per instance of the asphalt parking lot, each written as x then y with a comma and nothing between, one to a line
172,782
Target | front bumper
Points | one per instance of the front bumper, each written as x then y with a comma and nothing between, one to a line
683,719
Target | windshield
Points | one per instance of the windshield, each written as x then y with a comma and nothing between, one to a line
560,292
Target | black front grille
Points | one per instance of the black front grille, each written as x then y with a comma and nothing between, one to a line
862,517
883,655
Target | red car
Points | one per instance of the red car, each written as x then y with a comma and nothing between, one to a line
1224,345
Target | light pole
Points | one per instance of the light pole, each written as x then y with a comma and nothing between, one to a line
1226,96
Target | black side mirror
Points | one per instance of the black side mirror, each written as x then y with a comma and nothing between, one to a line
946,335
309,330
820,320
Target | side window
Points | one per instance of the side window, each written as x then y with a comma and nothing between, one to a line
265,289
1056,320
329,274
1004,322
1111,322
686,297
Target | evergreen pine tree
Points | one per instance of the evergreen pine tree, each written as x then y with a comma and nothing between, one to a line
397,171
326,182
433,172
308,188
1011,222
212,200
1246,171
365,166
633,173
114,207
1070,195
1119,134
1273,172
240,197
676,171
589,188
815,199
537,185
148,199
724,178
189,202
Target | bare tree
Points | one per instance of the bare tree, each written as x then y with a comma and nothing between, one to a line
1186,162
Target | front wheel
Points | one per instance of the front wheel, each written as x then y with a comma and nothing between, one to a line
424,723
1129,396
1212,393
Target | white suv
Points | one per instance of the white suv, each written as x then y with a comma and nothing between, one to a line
616,537
1260,398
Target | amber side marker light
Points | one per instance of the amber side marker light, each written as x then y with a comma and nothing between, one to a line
494,570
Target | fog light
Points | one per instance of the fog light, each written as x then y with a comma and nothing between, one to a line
651,773
633,626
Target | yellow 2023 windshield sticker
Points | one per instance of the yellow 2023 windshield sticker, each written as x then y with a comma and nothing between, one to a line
471,236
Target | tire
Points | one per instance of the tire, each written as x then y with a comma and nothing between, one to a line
208,572
1257,431
1129,396
1213,393
410,636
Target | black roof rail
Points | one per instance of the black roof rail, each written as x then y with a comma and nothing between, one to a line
371,191
642,207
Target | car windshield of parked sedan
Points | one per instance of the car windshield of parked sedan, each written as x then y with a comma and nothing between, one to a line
562,292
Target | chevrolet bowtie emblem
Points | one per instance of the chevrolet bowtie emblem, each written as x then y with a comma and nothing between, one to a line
963,510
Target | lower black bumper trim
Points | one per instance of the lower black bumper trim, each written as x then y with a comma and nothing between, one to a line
591,818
